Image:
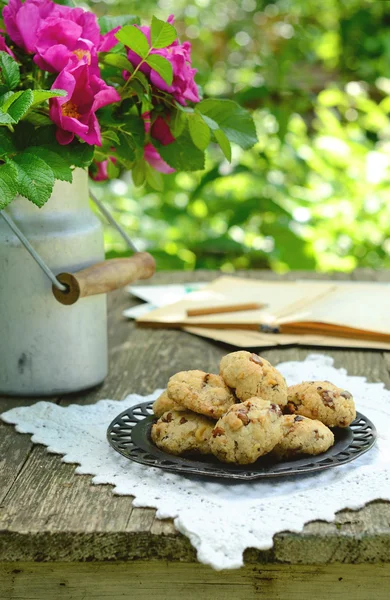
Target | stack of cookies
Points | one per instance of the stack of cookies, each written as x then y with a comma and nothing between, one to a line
248,411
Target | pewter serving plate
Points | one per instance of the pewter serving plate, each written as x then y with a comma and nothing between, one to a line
129,434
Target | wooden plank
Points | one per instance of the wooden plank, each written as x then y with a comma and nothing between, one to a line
154,580
14,452
14,448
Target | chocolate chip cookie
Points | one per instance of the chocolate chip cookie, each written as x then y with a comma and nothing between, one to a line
303,436
178,432
251,375
201,392
321,400
247,431
165,403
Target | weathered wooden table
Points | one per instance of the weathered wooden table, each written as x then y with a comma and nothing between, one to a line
62,537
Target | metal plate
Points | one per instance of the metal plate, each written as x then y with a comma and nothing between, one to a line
129,434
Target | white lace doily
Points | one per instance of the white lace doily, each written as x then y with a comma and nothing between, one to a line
221,519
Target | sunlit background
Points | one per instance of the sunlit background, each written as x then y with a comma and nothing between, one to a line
314,192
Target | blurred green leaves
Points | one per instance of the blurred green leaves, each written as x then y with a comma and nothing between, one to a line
313,193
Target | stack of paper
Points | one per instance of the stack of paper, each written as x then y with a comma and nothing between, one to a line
346,314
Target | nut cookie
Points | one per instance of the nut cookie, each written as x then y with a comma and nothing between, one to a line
204,393
251,375
247,431
179,432
321,400
164,403
303,436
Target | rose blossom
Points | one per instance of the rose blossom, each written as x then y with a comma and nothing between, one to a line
51,30
183,86
57,41
67,33
22,21
74,114
161,132
108,41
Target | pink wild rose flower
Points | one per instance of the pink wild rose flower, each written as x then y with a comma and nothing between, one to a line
74,114
60,36
22,21
161,132
108,41
183,86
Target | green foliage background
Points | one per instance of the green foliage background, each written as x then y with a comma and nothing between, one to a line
314,192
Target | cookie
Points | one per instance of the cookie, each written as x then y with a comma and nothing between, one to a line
178,432
321,400
303,436
247,431
251,375
164,403
203,393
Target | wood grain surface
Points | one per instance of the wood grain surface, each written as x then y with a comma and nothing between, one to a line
47,513
156,580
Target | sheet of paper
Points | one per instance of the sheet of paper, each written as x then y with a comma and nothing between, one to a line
156,296
160,295
253,339
138,311
277,295
362,306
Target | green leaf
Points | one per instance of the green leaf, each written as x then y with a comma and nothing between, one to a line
224,144
79,154
178,124
210,122
8,185
6,142
57,163
6,119
5,98
199,131
110,136
182,154
108,23
139,173
35,179
117,60
154,178
236,123
126,151
43,95
38,119
133,37
143,81
134,126
98,156
162,34
9,71
162,66
112,170
20,106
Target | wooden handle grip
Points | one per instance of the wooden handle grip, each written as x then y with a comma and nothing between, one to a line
104,277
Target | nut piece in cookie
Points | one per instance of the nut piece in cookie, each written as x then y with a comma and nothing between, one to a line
251,375
178,432
321,400
247,431
303,436
164,403
204,393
